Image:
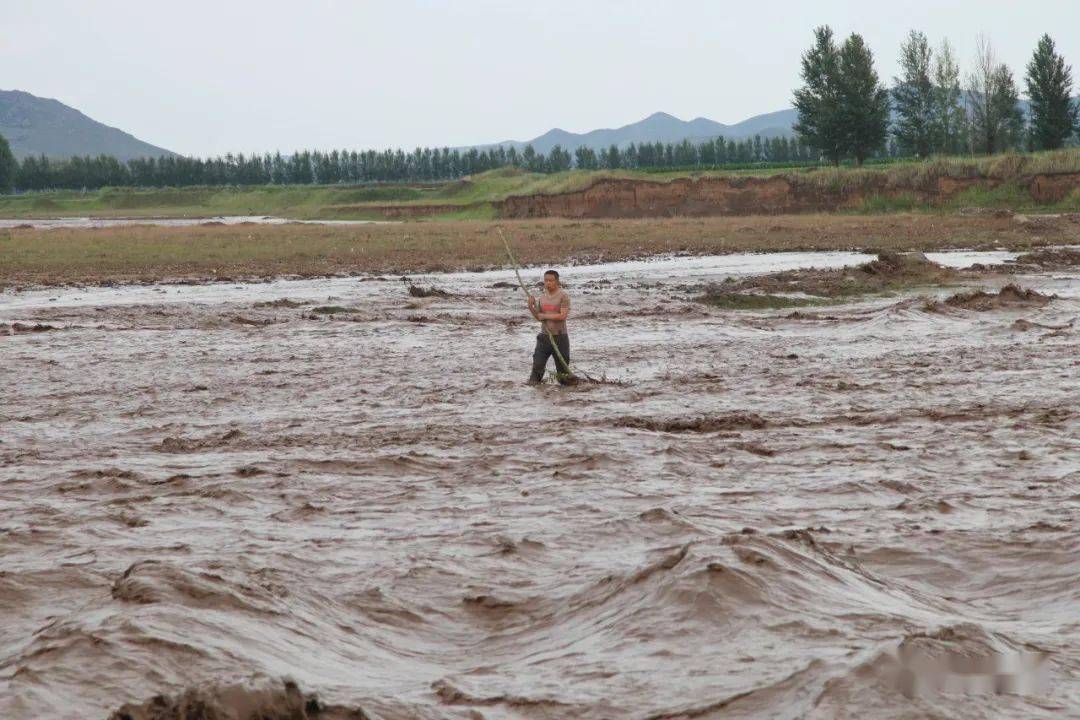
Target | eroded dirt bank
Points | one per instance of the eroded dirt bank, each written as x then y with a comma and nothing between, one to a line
348,485
775,195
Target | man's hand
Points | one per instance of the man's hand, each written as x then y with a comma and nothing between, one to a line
532,303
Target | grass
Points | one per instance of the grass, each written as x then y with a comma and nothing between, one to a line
880,204
151,253
1009,195
754,301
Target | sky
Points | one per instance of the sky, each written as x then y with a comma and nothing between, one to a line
206,78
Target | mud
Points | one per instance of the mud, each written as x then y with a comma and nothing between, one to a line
1010,296
1051,258
431,291
777,515
773,195
237,703
889,272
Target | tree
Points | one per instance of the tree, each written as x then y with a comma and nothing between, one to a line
1006,106
996,120
817,101
1049,86
950,118
585,158
558,159
8,167
611,159
913,97
532,161
864,101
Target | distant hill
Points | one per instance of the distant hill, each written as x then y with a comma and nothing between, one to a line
670,129
661,127
36,126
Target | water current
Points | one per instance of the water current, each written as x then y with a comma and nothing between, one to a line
868,510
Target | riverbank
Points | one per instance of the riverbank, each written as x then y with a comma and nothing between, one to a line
146,254
1043,182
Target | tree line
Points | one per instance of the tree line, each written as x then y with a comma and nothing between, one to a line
420,165
845,111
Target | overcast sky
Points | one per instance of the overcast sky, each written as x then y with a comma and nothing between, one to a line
204,78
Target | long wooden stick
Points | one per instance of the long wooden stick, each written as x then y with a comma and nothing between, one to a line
551,338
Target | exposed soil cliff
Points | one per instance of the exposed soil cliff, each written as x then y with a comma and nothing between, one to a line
775,195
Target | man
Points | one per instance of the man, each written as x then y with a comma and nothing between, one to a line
551,310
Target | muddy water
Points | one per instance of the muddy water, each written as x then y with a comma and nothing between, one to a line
199,487
94,222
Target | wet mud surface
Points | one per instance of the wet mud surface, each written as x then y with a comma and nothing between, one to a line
210,490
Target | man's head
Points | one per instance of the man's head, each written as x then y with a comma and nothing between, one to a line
551,280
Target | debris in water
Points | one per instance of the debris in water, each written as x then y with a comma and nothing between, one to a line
431,291
714,423
280,303
1009,296
237,702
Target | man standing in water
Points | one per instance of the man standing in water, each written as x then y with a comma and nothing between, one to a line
551,310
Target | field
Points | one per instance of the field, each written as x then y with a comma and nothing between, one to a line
148,253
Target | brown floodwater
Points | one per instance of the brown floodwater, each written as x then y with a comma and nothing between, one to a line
868,510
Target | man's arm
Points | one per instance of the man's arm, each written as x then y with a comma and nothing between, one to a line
532,308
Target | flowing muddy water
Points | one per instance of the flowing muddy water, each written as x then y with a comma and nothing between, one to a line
104,222
335,482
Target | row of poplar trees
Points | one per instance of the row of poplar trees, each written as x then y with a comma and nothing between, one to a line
845,111
422,164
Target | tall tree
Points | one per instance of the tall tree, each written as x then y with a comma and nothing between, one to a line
8,167
817,101
611,159
950,118
913,97
996,120
528,157
864,101
585,158
558,159
1049,85
1006,106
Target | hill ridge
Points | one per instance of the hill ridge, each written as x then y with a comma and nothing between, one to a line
45,126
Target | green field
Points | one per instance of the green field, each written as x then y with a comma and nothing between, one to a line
470,198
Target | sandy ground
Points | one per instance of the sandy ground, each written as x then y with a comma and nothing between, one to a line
356,490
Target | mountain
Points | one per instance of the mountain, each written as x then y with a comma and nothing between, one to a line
660,127
36,126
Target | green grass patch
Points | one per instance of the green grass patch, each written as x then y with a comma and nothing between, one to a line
902,202
480,211
1008,195
754,301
